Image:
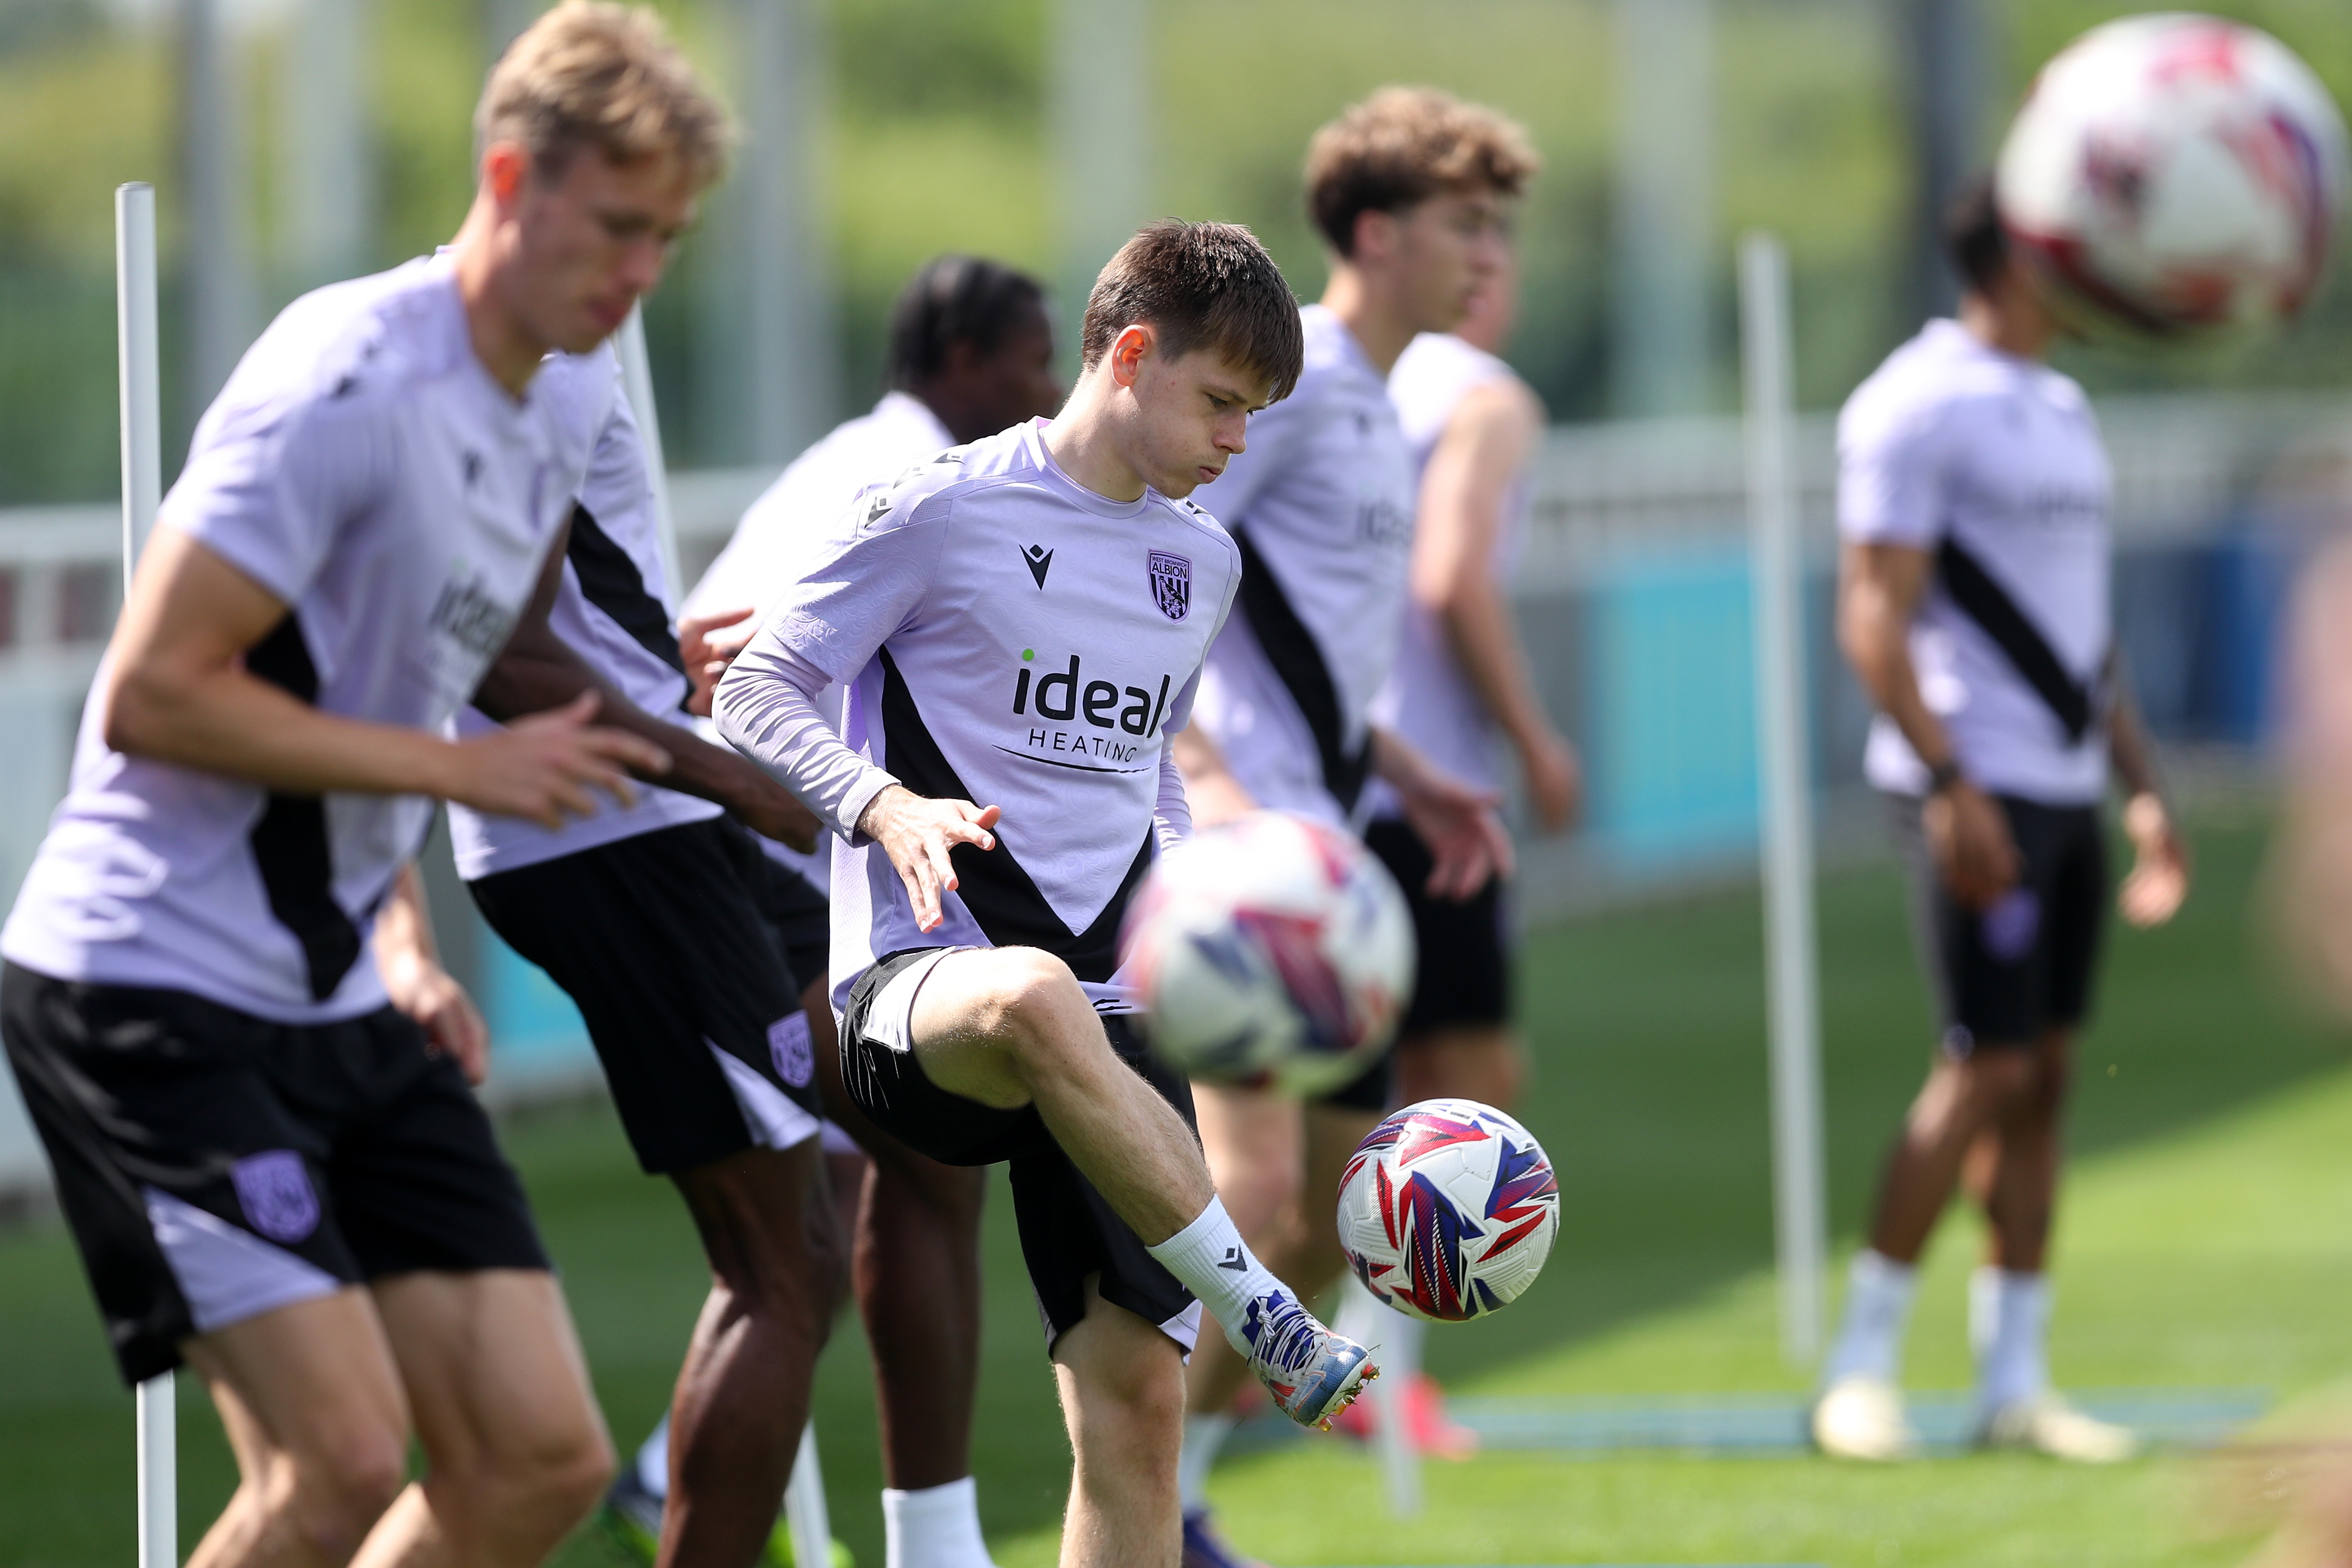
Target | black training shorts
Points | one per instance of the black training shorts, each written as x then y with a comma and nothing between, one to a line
1067,1230
1461,975
666,941
2003,976
214,1166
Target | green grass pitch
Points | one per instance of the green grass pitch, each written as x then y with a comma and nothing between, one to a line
2206,1242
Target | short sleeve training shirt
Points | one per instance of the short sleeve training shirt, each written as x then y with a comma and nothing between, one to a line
1323,499
1953,439
612,607
363,466
1011,638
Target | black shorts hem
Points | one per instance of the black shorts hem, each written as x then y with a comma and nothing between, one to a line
669,944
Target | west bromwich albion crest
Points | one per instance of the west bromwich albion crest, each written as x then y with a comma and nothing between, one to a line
1171,584
274,1189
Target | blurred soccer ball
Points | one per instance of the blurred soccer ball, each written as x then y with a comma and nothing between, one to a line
1272,951
1448,1210
2172,175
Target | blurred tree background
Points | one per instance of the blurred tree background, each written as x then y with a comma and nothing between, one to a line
930,126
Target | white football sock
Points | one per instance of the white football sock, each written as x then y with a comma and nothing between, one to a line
937,1527
2008,1323
1203,1436
1877,1304
1217,1265
653,1461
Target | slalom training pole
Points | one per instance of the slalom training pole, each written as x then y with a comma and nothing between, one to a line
138,381
805,1515
1791,944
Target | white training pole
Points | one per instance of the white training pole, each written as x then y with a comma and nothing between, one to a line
1777,565
804,1510
637,381
139,376
1400,1466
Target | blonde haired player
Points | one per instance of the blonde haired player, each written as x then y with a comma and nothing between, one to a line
269,1175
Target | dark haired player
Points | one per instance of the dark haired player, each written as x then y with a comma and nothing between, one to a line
1408,190
659,922
1973,496
269,1174
1022,620
971,352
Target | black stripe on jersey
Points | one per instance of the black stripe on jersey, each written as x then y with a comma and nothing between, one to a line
612,585
1001,898
1291,649
290,842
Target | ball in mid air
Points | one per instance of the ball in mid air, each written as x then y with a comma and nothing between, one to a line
1448,1210
1271,951
2174,176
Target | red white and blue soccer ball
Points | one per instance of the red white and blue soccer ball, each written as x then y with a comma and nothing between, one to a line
1272,951
2173,176
1448,1210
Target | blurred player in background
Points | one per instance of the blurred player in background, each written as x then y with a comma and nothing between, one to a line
1408,190
1461,690
1022,622
971,353
661,924
1973,498
273,1173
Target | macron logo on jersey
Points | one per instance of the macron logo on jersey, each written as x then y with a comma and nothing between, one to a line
1039,561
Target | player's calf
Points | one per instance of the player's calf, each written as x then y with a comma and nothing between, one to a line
1122,1388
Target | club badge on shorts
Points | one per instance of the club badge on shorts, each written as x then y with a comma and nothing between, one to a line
1171,584
789,1049
275,1191
2012,925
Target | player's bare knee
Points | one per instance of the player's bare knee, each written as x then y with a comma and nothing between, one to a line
1031,999
549,1476
334,1493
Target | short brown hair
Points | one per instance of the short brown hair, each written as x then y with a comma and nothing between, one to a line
1198,285
593,75
1404,145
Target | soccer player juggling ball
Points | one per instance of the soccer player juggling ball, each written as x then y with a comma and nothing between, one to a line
1022,622
269,1174
1973,498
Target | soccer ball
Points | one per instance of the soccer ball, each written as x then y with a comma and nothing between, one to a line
1448,1210
1271,951
2171,175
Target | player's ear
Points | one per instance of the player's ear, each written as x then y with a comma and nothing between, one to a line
1135,342
505,166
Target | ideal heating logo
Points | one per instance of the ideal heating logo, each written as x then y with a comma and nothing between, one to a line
1064,697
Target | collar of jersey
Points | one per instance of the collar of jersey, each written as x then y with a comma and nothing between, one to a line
1101,506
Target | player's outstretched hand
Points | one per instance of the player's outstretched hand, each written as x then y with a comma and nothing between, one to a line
544,767
1456,821
2159,882
1969,839
705,656
916,833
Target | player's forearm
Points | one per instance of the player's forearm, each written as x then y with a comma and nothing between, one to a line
765,707
226,721
537,671
1483,633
